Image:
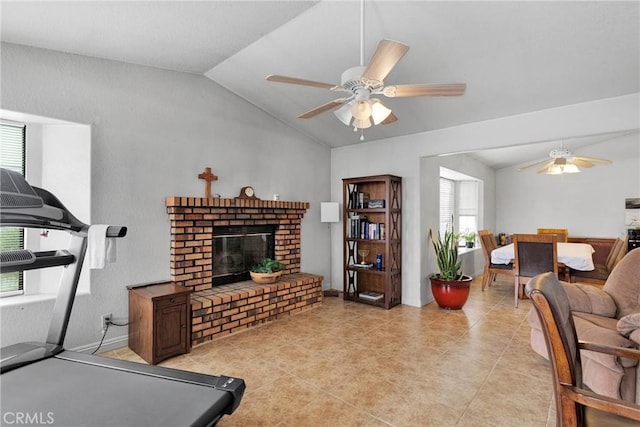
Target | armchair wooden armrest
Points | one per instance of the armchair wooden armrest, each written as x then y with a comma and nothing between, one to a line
602,403
629,353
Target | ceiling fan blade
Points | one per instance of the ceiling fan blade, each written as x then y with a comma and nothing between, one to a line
321,109
593,159
390,119
545,167
452,89
386,56
579,161
302,82
548,163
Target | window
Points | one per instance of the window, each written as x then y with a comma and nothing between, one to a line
12,156
458,200
447,203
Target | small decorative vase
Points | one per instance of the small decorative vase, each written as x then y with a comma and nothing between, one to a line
451,294
265,278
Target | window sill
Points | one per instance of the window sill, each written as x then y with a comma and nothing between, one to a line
465,250
18,300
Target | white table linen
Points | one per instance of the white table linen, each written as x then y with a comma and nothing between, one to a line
575,255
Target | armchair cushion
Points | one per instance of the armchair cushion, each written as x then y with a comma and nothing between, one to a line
589,299
629,323
623,284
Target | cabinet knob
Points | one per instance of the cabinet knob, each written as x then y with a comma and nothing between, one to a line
172,300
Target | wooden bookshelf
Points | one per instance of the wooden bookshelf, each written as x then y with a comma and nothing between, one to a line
378,230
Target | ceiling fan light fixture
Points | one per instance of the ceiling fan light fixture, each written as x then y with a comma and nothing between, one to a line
344,113
362,124
361,110
554,170
570,168
379,112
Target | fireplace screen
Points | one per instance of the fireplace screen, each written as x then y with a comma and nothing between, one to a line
237,249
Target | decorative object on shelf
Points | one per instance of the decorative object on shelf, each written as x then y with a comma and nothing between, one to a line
379,262
247,193
267,271
450,287
363,254
469,238
376,204
208,177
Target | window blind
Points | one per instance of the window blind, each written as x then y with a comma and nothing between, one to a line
12,156
447,203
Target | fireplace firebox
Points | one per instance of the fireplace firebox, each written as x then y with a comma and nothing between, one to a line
237,249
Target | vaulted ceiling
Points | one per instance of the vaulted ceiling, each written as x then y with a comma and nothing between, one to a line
515,57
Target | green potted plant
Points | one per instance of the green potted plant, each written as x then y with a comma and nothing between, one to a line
267,271
450,287
469,238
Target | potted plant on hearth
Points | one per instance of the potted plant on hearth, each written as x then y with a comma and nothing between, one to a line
450,287
469,238
267,271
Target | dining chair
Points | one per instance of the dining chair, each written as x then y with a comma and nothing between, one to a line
576,405
488,242
533,254
562,233
598,276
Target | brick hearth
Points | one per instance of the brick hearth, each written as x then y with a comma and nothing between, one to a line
231,308
227,309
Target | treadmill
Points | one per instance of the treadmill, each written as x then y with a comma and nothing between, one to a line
41,383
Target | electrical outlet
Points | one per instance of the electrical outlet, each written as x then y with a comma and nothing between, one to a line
106,319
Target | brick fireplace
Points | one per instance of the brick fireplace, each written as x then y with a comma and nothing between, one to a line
230,308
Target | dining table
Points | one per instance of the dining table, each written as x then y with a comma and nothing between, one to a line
578,256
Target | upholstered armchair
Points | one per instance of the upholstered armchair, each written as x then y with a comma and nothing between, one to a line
609,316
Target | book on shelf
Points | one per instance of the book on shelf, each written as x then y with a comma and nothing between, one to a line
363,200
371,296
354,226
358,227
358,265
353,196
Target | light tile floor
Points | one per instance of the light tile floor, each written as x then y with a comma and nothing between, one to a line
349,364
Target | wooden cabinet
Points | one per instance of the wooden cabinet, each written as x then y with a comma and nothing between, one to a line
159,320
372,212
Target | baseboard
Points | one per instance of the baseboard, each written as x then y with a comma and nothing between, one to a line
107,345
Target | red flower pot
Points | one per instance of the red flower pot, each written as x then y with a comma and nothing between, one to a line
451,294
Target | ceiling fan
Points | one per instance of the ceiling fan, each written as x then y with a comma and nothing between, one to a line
360,107
563,161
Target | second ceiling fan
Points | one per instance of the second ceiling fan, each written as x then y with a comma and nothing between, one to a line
359,107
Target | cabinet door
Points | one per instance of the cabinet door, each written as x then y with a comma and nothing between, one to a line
170,330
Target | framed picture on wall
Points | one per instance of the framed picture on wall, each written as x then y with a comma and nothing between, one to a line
632,212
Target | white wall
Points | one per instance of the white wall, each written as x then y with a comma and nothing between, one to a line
152,132
402,156
63,167
588,204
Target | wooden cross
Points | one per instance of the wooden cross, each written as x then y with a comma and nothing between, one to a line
208,177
